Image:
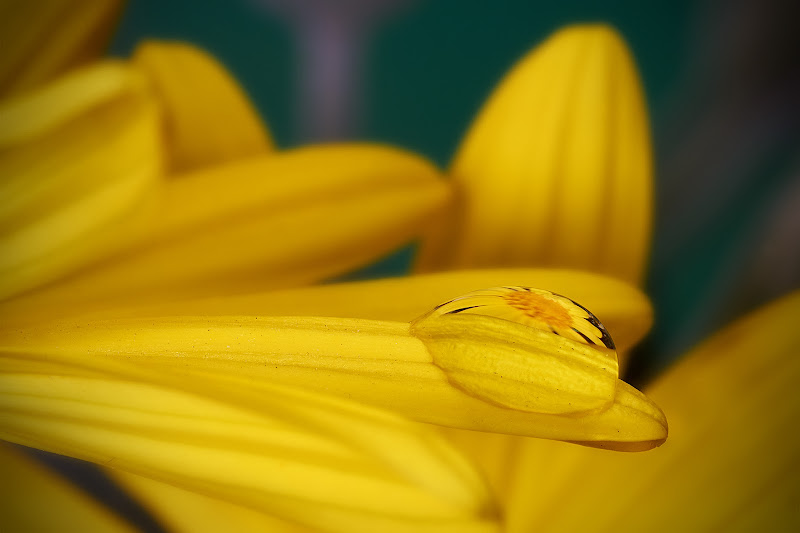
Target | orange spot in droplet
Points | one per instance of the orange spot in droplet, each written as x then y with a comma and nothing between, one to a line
539,307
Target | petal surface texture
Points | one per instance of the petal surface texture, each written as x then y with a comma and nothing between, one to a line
44,39
32,498
100,131
731,461
278,450
556,169
208,119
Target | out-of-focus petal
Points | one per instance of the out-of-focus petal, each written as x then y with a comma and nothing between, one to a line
77,158
183,511
556,169
375,363
38,112
282,451
208,118
44,39
731,462
34,499
269,222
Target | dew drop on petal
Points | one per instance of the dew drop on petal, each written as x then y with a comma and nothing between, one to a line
523,348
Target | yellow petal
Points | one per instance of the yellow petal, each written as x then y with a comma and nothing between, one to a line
623,309
357,468
494,454
99,131
375,363
269,222
44,39
183,511
731,462
208,119
34,499
556,169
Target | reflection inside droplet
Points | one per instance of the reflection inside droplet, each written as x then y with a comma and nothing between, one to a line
536,308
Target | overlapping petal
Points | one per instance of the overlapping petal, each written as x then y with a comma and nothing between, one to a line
268,222
106,129
207,118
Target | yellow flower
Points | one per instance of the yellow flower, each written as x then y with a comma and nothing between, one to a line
158,358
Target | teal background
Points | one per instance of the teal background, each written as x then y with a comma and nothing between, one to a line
428,67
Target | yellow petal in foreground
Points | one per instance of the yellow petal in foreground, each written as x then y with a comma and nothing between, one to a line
34,499
556,169
732,459
184,511
358,468
79,157
376,363
44,39
267,222
208,119
622,308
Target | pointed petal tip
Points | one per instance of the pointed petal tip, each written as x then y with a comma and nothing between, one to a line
554,173
601,30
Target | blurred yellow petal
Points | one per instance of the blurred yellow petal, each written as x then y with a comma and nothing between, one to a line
208,119
183,511
358,468
375,363
268,222
35,113
494,454
556,169
78,157
34,499
44,39
731,462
